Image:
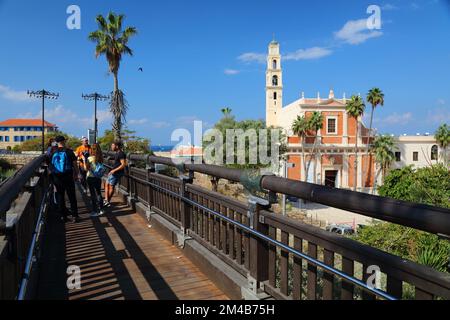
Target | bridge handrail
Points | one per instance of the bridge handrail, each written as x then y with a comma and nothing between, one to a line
423,217
12,188
198,212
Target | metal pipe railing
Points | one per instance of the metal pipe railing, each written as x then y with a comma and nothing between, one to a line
266,238
31,252
418,216
13,187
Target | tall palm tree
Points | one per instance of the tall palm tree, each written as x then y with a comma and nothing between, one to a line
315,124
442,136
111,40
300,127
383,148
355,108
375,97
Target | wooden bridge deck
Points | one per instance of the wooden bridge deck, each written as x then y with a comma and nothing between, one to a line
120,257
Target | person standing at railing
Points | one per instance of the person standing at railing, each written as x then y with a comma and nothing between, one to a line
116,173
64,171
94,172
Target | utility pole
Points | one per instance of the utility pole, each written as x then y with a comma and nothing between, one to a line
95,97
43,94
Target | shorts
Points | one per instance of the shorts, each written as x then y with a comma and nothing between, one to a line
114,179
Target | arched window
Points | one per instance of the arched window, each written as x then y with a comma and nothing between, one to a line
275,81
435,153
274,64
275,96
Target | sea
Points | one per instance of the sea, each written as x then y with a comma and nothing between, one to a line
160,148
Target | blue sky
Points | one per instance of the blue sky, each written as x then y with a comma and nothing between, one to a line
199,56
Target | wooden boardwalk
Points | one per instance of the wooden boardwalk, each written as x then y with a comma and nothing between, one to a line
120,257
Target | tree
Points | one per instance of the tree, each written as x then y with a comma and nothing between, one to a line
355,108
375,97
384,147
226,112
300,127
132,143
430,185
228,122
36,144
442,136
112,41
315,124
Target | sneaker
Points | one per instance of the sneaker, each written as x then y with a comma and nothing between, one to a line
107,204
101,213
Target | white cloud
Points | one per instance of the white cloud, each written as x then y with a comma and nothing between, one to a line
438,116
308,54
64,117
138,122
231,72
389,7
160,124
356,32
13,95
253,57
397,119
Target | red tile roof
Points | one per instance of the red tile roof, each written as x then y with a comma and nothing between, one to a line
25,123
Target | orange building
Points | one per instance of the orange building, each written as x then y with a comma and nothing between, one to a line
330,157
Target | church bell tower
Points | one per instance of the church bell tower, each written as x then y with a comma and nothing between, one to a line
274,84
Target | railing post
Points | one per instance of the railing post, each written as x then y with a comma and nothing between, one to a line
150,167
259,249
132,193
185,208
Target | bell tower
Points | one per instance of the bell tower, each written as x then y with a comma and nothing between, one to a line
274,84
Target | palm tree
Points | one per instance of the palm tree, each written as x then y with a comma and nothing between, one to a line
315,124
384,147
112,41
226,112
355,108
442,136
375,97
300,127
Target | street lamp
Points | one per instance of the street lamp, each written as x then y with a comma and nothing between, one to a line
95,97
43,94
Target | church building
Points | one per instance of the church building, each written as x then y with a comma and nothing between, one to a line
331,160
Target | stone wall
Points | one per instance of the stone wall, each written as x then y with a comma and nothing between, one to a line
19,160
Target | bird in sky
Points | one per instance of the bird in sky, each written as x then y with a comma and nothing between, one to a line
141,69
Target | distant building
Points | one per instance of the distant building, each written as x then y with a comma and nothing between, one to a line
13,132
419,151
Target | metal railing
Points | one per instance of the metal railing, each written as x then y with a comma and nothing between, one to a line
287,258
22,201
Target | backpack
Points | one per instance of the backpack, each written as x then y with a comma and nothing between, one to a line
60,162
99,171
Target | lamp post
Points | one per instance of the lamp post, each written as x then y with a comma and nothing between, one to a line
95,97
43,94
